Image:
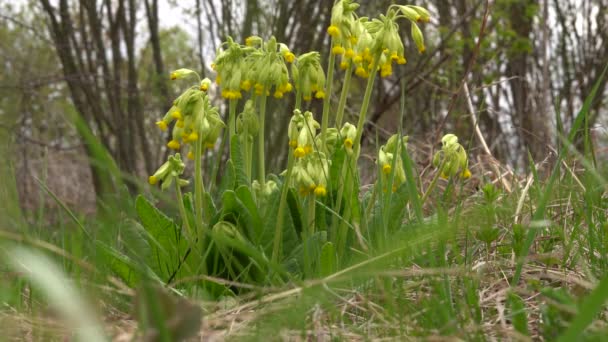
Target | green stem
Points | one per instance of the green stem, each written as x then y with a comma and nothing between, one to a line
343,96
278,231
311,214
298,100
199,186
344,174
433,184
342,227
365,104
218,160
182,212
232,104
261,161
326,100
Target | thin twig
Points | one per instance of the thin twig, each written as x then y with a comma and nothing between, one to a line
465,89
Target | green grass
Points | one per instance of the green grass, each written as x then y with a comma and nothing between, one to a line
448,274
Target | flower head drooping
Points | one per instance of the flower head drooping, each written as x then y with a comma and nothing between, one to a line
169,172
303,130
452,159
386,160
181,73
310,174
196,120
311,168
205,84
343,36
348,133
309,76
230,65
381,37
267,69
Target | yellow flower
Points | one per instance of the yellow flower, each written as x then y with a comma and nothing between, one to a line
361,72
386,70
173,144
348,143
246,85
259,88
320,191
177,115
289,57
299,152
162,125
337,50
152,180
190,155
193,136
333,31
386,168
320,94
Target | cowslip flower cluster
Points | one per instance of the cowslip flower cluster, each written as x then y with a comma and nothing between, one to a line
230,67
301,133
257,66
311,169
385,33
452,159
341,28
358,40
389,156
348,134
308,76
310,174
169,172
196,120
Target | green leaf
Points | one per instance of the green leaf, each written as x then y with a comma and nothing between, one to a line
244,195
237,157
228,181
591,306
165,237
328,259
518,313
289,234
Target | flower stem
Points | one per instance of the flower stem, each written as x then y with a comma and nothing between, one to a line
182,212
327,98
199,186
311,214
278,231
433,184
232,104
261,161
343,96
365,104
298,100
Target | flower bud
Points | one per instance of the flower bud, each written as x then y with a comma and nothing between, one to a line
205,84
181,73
418,38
